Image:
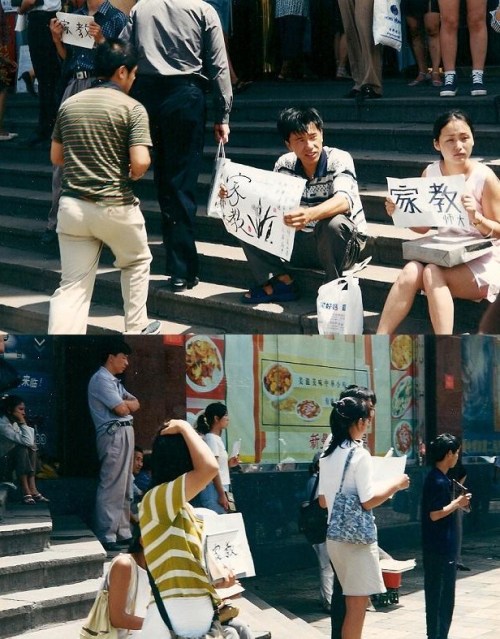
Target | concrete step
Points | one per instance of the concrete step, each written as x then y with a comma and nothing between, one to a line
24,530
27,281
282,624
62,563
28,610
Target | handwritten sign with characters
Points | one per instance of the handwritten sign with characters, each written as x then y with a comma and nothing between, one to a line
76,29
226,547
254,205
429,201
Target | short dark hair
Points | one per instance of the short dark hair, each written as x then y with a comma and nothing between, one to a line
297,120
441,446
170,458
112,54
113,347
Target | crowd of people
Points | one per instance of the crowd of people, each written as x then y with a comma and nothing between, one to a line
162,584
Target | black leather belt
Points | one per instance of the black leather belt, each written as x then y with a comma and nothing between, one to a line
113,426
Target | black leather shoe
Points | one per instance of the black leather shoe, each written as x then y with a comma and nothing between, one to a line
462,567
368,93
179,284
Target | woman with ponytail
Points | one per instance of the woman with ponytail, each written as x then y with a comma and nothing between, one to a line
356,565
210,425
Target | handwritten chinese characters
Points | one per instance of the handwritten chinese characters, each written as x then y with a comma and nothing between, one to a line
76,29
254,204
429,201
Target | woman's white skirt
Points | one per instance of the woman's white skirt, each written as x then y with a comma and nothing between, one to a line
357,567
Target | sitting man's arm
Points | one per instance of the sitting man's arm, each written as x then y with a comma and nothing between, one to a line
299,218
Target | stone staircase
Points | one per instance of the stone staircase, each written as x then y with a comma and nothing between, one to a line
387,137
49,572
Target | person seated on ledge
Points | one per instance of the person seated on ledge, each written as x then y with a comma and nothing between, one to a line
475,280
330,223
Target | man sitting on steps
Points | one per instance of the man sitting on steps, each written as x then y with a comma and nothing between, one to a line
330,223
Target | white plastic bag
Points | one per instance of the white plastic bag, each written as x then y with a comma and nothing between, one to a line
340,307
387,23
213,206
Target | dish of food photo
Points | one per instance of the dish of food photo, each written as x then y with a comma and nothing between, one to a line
308,409
288,404
403,394
403,438
402,352
277,381
204,370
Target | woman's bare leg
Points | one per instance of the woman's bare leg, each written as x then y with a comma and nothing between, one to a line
442,285
449,10
352,628
478,32
400,298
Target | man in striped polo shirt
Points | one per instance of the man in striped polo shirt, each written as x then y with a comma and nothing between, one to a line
330,223
102,140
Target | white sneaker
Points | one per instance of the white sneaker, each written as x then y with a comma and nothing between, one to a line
153,328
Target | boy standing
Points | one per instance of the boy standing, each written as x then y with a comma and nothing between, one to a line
439,539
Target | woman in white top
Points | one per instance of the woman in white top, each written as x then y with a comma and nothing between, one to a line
129,590
356,565
210,425
476,280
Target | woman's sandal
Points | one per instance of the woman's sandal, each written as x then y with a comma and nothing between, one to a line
28,499
39,498
281,293
422,78
436,79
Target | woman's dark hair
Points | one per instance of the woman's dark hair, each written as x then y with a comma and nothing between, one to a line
8,404
206,420
446,118
441,446
112,54
345,413
170,458
362,392
296,120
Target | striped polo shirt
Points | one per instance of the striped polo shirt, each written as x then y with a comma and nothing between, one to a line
334,174
172,538
96,128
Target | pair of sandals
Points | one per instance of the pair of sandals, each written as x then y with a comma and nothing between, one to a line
433,78
38,498
281,292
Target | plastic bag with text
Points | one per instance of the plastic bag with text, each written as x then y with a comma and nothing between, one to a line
387,23
340,307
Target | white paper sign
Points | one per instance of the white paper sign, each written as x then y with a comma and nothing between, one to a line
226,546
255,204
76,29
429,201
387,468
235,451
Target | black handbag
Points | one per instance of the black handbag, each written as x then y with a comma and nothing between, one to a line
313,519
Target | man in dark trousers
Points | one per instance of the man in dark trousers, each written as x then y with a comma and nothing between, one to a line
181,52
439,536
